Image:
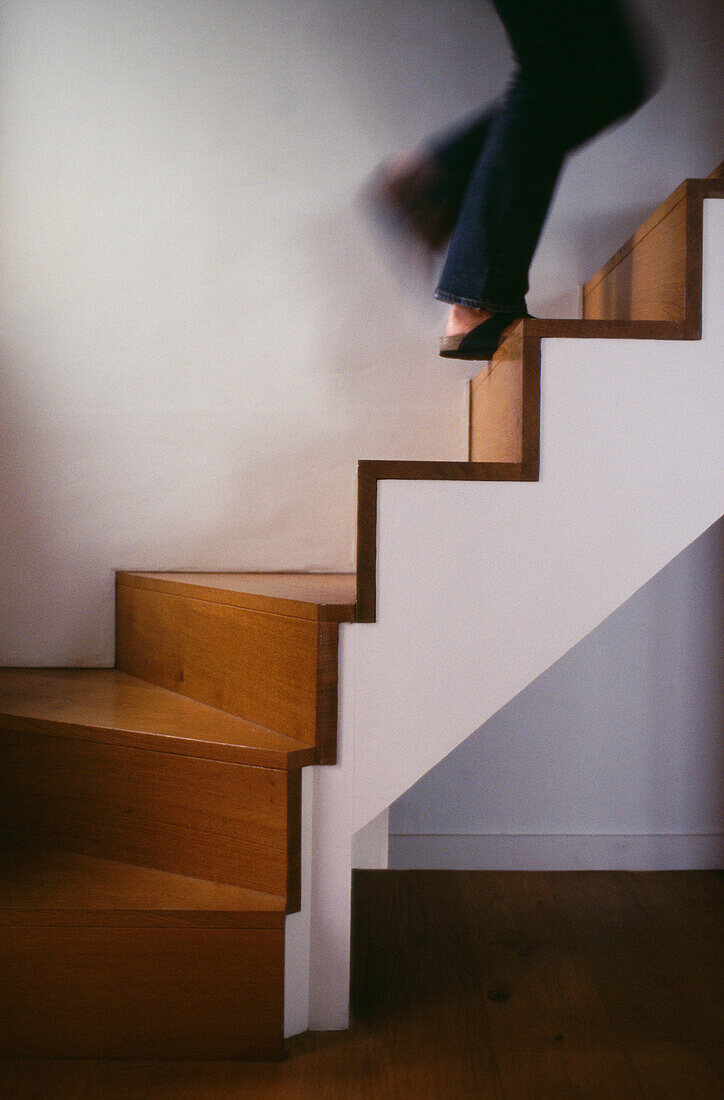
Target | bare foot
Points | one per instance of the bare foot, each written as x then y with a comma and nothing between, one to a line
462,319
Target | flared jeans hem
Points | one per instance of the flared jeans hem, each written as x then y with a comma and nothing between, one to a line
475,303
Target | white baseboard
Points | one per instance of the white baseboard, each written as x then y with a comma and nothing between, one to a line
560,852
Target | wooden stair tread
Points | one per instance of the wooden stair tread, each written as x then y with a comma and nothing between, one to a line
112,707
46,886
329,597
541,328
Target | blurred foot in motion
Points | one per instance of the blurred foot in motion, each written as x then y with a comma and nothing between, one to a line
484,190
410,189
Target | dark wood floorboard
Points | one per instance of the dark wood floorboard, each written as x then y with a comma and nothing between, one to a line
656,975
486,985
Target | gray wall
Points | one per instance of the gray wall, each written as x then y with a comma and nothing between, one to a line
612,758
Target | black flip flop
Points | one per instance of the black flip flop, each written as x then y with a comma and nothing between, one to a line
481,342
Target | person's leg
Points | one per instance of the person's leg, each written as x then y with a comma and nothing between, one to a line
578,72
455,152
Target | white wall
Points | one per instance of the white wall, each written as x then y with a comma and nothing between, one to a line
198,339
613,757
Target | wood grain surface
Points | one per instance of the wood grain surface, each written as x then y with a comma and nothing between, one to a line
576,984
50,887
646,278
656,274
319,596
204,818
496,405
259,665
485,985
141,992
111,707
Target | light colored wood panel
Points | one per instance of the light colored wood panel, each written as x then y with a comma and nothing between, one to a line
323,596
646,280
496,405
643,230
258,666
204,818
51,887
111,707
141,993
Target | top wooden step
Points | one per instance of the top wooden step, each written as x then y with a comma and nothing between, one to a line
325,597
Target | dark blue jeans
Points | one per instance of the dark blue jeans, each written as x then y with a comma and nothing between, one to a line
578,70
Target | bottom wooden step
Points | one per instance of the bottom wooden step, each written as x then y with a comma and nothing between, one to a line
103,960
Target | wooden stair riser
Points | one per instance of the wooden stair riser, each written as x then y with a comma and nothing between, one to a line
656,274
276,670
505,406
153,993
204,818
645,279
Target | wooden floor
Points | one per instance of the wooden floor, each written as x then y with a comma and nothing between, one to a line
585,985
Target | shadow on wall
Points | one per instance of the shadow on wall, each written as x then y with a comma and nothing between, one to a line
623,735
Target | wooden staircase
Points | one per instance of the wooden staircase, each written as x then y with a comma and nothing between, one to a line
151,817
151,813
